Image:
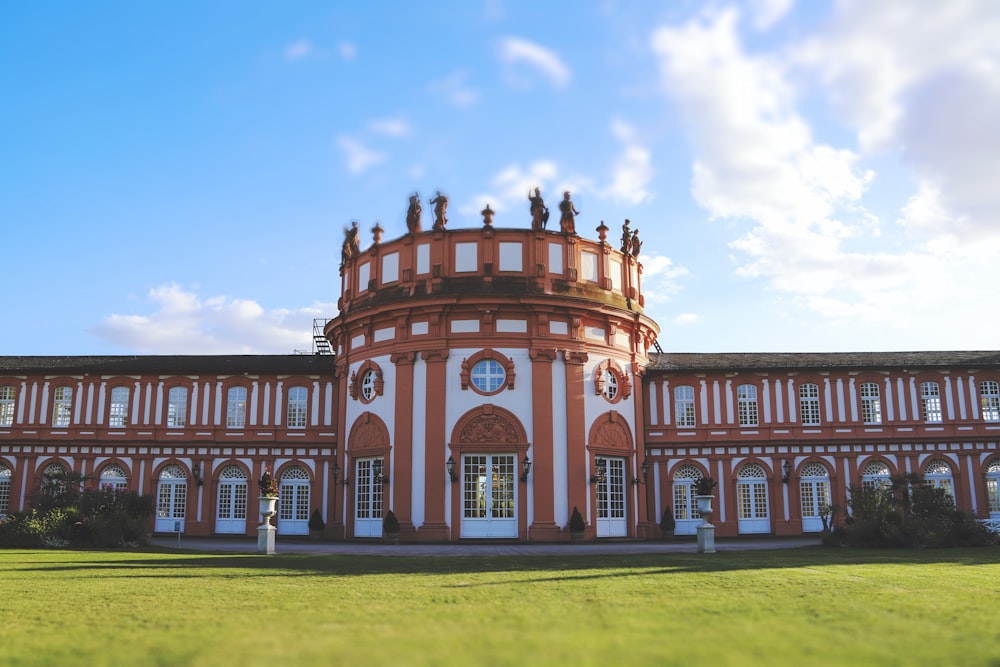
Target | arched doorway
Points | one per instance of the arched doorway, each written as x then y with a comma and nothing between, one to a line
611,442
293,508
751,499
171,499
814,494
368,448
489,442
231,517
685,515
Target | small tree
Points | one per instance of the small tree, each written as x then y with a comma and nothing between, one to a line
667,522
316,523
576,523
390,524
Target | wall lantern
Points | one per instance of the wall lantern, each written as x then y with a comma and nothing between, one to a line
644,469
525,468
786,470
379,477
600,472
196,473
450,465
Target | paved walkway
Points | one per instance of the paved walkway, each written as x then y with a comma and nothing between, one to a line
248,545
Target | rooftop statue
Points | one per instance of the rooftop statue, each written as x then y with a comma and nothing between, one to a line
568,213
351,247
539,213
636,244
413,214
487,216
440,203
626,238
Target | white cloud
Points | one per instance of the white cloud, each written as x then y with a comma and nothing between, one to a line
390,127
515,51
632,171
923,81
765,13
298,50
347,50
184,323
509,190
685,319
455,89
358,156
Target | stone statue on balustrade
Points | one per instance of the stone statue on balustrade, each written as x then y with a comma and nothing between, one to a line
440,204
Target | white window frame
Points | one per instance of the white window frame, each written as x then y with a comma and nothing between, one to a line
684,410
298,407
62,406
488,376
8,403
930,402
118,407
871,403
177,407
989,400
809,412
746,400
236,407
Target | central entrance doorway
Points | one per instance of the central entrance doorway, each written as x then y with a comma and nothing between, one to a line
611,497
489,495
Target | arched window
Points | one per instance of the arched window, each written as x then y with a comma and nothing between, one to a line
989,400
930,402
231,513
118,410
684,414
5,477
814,493
871,404
746,397
114,476
751,499
809,404
55,479
171,498
875,475
236,407
298,398
293,509
993,488
684,480
937,473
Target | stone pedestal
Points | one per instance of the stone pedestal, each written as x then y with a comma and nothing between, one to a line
706,538
265,539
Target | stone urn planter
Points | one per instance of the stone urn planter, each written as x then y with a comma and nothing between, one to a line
268,508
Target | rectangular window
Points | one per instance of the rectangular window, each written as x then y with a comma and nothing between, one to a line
930,402
236,408
510,257
390,268
871,406
7,402
684,406
466,257
297,402
746,397
588,266
177,399
809,404
989,400
118,412
62,406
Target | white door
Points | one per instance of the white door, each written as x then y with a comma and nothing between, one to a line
368,497
685,508
611,498
171,498
751,499
489,495
231,517
814,493
293,507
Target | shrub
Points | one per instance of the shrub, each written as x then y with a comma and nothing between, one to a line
390,524
667,522
316,522
576,524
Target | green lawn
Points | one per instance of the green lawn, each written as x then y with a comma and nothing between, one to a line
796,607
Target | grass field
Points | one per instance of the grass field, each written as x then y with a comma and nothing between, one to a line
796,607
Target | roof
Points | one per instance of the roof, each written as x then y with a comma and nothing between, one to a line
748,361
221,364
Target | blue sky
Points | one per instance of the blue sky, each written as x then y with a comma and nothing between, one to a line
806,176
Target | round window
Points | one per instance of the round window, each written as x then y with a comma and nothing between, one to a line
368,385
488,376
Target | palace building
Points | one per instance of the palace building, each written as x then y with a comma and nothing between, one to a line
481,383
